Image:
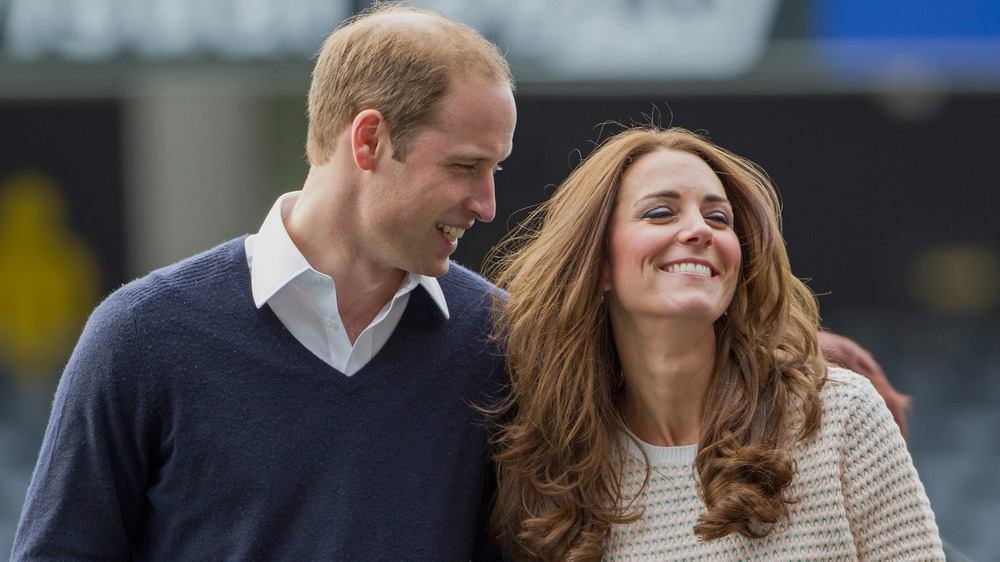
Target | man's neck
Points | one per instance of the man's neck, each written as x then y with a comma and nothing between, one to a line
319,225
359,301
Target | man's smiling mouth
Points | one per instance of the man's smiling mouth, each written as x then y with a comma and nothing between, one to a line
452,233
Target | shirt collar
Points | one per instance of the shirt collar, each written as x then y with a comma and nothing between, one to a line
275,261
432,287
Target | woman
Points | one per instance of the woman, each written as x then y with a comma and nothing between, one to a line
668,396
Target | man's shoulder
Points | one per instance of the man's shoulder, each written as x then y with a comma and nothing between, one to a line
469,295
465,282
202,275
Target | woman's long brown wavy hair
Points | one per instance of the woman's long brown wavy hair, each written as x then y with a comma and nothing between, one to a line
558,445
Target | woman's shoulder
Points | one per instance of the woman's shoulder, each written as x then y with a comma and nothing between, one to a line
843,383
847,394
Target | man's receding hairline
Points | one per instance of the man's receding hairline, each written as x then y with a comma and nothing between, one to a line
436,120
421,22
430,24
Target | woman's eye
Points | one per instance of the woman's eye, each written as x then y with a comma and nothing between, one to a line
658,213
720,218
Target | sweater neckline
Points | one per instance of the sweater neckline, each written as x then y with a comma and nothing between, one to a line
679,455
417,316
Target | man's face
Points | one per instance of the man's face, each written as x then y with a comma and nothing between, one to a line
415,210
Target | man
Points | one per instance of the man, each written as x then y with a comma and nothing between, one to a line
308,392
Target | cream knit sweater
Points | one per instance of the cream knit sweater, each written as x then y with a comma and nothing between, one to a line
860,495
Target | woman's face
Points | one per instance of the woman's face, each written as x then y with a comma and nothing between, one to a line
673,250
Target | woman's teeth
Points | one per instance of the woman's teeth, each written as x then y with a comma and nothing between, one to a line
690,268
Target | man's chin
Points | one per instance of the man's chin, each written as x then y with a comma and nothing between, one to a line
443,269
436,269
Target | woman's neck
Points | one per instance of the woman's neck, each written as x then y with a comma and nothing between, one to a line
667,372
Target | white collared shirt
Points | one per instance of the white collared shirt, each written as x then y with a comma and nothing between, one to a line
305,300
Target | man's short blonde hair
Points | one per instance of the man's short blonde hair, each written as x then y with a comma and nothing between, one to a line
398,60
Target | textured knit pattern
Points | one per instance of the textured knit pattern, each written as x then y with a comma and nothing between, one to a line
189,425
859,495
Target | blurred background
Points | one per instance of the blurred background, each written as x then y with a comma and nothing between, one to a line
134,133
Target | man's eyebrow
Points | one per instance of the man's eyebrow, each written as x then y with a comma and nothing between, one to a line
468,156
474,157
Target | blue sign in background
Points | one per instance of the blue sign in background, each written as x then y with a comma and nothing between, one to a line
856,19
924,40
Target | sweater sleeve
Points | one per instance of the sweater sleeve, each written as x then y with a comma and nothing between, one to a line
890,514
86,495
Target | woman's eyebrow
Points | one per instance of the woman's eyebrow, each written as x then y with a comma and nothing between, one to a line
667,194
673,194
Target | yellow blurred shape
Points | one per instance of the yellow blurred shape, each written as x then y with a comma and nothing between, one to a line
48,279
957,279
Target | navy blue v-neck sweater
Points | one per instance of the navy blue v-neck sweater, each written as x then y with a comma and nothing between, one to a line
189,425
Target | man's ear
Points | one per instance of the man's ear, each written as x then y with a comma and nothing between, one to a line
369,137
